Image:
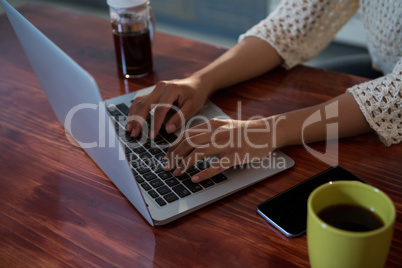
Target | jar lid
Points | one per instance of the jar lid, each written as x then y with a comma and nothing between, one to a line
125,3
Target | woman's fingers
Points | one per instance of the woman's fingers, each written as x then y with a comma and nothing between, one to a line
162,109
137,116
140,109
178,119
196,145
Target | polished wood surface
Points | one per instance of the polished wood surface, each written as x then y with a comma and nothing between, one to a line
57,208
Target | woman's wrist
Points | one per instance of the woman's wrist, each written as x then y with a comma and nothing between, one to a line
284,131
271,134
204,81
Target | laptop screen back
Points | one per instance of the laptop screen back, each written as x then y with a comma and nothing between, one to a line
78,105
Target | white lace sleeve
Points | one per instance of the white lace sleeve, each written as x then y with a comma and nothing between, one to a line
300,29
380,100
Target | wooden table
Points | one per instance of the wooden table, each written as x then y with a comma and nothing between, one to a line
57,208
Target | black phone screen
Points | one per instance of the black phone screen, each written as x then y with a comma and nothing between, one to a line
287,211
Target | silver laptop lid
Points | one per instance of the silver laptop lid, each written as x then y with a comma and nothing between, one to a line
78,105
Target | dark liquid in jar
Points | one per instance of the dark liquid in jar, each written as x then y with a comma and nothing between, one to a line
351,218
133,53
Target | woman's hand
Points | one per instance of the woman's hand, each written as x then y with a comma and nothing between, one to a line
234,142
186,93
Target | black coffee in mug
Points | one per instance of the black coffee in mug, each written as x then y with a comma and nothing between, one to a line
351,218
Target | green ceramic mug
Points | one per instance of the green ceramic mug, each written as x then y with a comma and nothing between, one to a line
330,246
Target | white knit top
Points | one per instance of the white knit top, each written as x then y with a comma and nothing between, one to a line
300,29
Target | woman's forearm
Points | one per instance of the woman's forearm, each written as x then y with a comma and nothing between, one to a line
338,118
248,59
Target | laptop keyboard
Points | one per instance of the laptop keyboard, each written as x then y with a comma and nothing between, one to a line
146,159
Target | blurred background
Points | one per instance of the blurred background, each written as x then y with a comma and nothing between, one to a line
219,22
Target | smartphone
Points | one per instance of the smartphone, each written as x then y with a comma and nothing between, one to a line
287,211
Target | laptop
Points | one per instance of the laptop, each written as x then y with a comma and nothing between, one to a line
132,165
